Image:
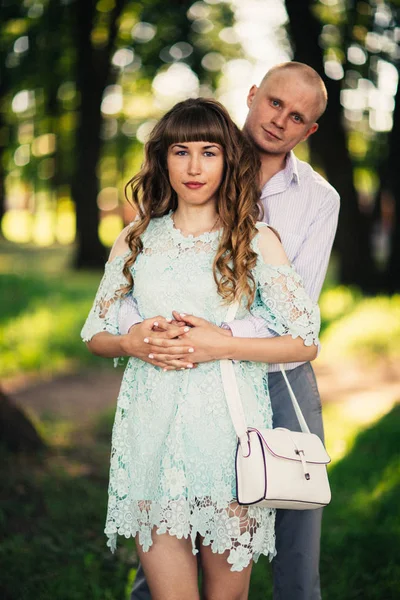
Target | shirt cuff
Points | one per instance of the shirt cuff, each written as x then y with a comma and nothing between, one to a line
252,327
128,315
127,322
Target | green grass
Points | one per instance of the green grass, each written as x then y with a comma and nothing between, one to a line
360,549
52,517
40,322
361,541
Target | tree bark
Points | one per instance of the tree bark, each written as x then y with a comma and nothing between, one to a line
329,149
93,74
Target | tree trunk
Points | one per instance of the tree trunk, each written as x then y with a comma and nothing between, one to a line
93,75
16,430
3,144
328,147
392,181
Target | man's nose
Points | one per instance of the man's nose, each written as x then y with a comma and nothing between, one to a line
279,120
194,166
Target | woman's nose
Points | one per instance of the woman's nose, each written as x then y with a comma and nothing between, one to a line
194,166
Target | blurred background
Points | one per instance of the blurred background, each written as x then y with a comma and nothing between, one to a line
82,83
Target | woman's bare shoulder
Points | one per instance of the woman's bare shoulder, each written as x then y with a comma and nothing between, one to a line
120,246
270,246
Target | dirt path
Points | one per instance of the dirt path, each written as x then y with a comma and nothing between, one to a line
75,397
81,395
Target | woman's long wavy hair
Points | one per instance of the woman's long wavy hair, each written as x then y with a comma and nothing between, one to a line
151,194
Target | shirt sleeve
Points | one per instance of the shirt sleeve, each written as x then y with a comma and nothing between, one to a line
128,314
250,327
311,261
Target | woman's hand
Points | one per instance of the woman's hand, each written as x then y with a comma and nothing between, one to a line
203,342
136,342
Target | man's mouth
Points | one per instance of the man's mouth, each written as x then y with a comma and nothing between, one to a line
272,135
194,185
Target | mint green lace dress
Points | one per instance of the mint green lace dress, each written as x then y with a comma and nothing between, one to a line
173,443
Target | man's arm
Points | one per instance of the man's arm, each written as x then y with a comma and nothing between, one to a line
312,259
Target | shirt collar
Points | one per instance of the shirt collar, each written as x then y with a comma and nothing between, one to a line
282,180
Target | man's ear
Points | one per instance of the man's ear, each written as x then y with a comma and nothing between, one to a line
250,97
312,130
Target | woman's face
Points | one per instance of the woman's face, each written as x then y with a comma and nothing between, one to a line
195,171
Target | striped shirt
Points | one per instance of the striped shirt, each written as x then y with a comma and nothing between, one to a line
303,207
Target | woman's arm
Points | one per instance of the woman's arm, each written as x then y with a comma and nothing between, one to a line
282,301
109,345
210,342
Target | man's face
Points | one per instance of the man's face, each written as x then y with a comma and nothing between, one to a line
282,112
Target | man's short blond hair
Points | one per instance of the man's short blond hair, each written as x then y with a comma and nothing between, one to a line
309,75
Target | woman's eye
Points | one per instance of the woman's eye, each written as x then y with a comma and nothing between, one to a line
209,154
181,153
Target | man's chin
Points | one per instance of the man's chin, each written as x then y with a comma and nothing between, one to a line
271,148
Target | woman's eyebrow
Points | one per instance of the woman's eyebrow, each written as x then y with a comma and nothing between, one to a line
179,146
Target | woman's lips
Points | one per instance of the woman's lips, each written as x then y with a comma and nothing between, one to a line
194,185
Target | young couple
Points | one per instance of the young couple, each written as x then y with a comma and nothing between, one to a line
195,246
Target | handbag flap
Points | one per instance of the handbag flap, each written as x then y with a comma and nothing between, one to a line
288,444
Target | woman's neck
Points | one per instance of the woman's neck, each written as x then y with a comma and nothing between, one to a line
195,220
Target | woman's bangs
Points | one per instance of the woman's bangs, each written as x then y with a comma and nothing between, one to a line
194,125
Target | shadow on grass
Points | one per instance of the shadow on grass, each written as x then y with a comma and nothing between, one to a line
52,513
360,552
361,542
53,508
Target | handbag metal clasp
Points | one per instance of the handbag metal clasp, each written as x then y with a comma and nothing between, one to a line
303,463
248,446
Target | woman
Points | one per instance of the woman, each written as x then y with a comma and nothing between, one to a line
194,244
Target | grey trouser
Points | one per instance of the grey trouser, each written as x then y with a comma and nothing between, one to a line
296,565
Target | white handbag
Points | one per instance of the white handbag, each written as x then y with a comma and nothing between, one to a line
275,468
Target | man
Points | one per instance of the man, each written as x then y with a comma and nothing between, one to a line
303,208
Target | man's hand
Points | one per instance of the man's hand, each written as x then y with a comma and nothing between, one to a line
206,341
159,329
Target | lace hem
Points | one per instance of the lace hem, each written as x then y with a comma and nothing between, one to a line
246,532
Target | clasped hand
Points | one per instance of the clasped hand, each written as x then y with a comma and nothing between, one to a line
178,343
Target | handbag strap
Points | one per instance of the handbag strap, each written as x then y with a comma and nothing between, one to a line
303,423
232,393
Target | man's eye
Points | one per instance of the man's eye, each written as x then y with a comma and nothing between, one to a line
297,118
275,102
